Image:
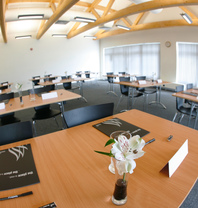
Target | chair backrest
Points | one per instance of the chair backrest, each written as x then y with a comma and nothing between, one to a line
36,81
87,114
189,86
123,88
179,101
4,87
110,79
78,73
15,132
87,74
67,85
141,77
123,73
6,96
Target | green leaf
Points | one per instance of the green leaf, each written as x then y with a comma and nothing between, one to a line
105,153
110,141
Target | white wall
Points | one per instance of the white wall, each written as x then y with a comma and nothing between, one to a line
49,55
168,55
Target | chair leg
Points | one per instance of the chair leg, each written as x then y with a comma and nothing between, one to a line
34,127
181,118
174,117
56,122
119,102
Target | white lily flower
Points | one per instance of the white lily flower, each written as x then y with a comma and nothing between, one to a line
125,151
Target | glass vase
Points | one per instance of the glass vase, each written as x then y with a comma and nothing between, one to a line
119,196
20,96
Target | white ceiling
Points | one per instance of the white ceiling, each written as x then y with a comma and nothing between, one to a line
167,16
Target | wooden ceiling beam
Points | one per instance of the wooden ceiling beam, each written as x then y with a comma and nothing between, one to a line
193,16
108,7
61,9
135,9
138,18
2,20
153,25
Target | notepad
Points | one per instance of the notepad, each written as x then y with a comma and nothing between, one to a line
2,106
49,95
142,82
159,81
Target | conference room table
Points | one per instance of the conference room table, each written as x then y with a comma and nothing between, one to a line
14,104
8,90
80,80
73,175
135,84
191,95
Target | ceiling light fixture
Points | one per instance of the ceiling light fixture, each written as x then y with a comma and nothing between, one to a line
84,19
23,37
123,27
90,36
59,35
187,18
31,16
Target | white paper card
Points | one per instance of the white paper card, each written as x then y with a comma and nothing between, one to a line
2,106
49,95
55,81
159,81
0,91
4,84
177,159
142,81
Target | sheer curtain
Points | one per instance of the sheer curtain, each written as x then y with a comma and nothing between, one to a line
187,59
141,59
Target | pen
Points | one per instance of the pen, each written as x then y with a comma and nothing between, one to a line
152,140
16,196
169,138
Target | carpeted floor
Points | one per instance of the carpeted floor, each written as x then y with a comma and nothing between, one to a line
95,92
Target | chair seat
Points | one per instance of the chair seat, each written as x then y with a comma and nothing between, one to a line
45,114
9,120
186,111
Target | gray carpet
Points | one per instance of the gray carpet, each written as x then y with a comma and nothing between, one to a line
95,93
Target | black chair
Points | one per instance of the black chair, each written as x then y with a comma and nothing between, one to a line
181,110
188,87
36,81
87,114
4,87
9,117
125,91
148,90
15,132
49,79
79,73
87,74
44,111
110,81
122,73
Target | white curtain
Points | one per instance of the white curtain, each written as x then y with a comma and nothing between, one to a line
141,59
187,63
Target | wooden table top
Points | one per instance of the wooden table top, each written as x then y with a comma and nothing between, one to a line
14,104
187,97
148,84
8,90
73,175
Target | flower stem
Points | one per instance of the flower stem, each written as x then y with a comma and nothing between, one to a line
124,175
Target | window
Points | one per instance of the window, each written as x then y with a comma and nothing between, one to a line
187,63
139,59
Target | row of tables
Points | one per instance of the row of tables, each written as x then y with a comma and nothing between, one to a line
72,175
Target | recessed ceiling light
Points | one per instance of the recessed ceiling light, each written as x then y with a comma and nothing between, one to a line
59,35
187,18
84,19
90,36
61,22
31,16
123,27
23,37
